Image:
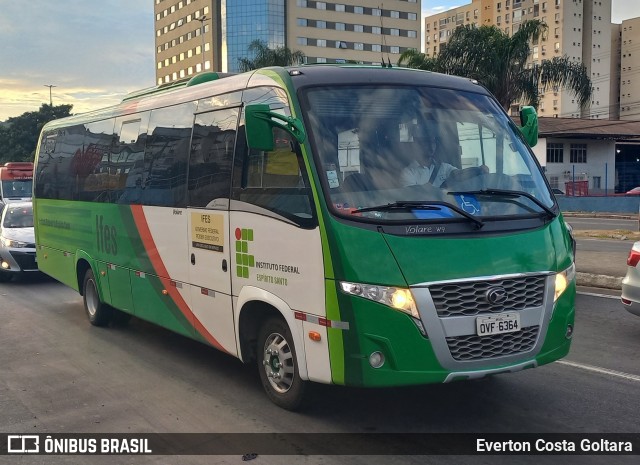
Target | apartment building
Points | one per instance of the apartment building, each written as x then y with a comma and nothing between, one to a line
579,29
630,69
206,35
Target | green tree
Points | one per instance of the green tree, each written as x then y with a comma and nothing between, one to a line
19,135
412,58
265,56
499,62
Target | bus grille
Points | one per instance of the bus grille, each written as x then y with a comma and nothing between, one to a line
468,298
474,347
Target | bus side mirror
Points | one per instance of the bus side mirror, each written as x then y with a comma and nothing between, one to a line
529,121
259,124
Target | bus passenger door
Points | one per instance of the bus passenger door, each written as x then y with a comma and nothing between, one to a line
209,183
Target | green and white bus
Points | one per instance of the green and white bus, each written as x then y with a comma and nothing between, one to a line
267,214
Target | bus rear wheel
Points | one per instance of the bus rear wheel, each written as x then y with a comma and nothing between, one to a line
98,312
278,366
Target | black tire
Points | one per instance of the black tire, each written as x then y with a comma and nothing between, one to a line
98,312
278,366
5,277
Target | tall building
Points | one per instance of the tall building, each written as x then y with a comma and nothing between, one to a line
629,69
579,29
206,35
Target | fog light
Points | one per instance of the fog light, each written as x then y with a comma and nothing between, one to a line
376,359
5,265
569,332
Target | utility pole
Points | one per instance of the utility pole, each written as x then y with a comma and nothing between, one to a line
50,99
202,20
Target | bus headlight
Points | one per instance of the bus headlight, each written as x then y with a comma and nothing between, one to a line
563,279
394,297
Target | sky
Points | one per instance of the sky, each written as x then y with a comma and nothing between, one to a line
95,52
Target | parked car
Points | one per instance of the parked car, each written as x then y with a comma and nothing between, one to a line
631,283
557,191
17,240
634,191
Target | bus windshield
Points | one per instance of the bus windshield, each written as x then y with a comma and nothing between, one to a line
401,153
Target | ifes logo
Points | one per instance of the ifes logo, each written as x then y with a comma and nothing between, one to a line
244,261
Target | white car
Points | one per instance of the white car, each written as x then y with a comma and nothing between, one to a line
17,240
631,283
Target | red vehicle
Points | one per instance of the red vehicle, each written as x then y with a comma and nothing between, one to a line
634,191
16,180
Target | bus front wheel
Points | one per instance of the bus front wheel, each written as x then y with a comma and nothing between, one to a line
278,366
98,312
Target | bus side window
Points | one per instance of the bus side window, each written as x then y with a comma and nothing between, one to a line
44,171
127,158
92,163
212,146
276,180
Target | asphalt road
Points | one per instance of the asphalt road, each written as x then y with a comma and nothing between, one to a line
602,256
59,374
582,223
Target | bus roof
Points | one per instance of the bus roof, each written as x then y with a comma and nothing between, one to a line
209,84
377,75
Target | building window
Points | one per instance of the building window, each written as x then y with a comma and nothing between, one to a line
555,153
339,7
578,153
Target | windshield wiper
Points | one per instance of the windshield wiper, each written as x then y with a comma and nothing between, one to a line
507,193
422,205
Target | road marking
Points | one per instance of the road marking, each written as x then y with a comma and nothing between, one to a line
593,294
603,371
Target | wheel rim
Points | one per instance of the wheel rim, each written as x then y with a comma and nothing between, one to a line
91,298
278,363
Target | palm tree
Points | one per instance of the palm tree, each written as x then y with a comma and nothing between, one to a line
412,58
499,62
265,56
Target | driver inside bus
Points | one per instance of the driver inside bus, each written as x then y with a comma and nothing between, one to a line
429,169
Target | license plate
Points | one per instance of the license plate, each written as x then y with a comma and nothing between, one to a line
507,322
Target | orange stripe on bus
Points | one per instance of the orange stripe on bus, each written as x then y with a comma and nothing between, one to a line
156,261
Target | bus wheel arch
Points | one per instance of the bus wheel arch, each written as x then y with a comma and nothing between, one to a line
98,312
81,270
278,365
267,338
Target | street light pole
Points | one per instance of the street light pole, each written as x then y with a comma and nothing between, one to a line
202,20
50,99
